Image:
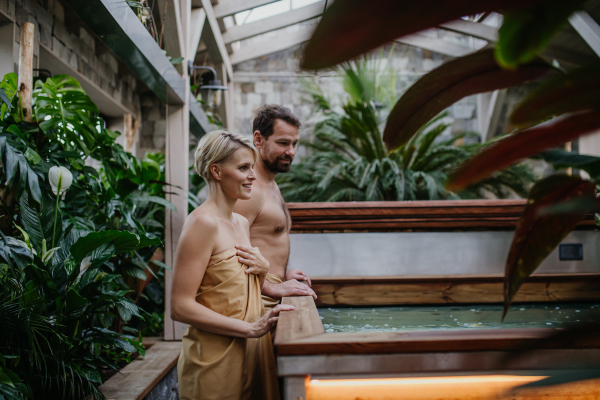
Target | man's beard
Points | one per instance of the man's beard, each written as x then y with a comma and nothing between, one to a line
275,167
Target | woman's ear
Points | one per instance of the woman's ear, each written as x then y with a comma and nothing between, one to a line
215,171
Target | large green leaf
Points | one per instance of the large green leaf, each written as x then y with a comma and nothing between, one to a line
123,241
349,28
576,91
64,109
15,164
8,86
538,233
526,31
522,145
439,89
561,159
39,222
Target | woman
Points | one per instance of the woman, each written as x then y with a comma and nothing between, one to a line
217,279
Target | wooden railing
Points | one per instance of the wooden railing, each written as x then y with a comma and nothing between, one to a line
410,215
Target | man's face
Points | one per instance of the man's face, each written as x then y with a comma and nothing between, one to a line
278,151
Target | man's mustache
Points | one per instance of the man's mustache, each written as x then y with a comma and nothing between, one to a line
290,158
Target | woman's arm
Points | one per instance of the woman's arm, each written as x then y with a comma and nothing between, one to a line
195,247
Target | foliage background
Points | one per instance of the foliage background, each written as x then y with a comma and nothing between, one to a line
72,312
348,160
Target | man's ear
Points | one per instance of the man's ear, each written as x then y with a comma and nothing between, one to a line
215,171
258,139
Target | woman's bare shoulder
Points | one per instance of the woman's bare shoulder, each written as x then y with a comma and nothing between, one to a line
204,219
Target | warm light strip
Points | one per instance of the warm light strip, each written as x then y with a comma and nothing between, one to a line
425,380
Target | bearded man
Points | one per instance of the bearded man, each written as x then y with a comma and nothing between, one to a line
276,135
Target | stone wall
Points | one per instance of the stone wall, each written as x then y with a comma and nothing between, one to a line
59,30
276,78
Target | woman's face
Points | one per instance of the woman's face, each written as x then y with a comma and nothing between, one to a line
236,174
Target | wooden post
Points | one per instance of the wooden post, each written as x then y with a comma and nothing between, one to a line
177,173
25,81
131,127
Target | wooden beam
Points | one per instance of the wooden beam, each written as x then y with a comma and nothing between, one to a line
25,78
198,18
588,28
410,215
231,7
470,28
241,32
271,45
172,31
214,40
425,341
456,289
439,46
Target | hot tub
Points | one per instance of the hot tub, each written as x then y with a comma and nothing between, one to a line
409,304
376,353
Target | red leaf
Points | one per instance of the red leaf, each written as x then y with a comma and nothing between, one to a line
442,87
538,233
352,27
577,91
521,145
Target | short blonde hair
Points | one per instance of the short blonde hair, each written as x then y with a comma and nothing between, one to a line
216,147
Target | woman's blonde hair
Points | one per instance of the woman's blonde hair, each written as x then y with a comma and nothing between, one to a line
216,147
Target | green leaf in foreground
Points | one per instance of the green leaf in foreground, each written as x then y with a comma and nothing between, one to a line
123,241
538,233
526,31
442,87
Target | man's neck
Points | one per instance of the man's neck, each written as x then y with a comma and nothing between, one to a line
263,172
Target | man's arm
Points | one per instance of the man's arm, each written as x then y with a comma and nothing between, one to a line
290,287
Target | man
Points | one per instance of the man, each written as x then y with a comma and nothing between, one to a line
276,139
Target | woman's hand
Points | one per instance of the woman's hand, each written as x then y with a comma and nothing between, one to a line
264,325
257,264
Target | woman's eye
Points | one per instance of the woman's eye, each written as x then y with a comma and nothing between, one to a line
243,168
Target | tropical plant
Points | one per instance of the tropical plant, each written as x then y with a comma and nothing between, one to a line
78,244
557,203
350,162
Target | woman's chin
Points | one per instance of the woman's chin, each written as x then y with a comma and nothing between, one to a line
245,196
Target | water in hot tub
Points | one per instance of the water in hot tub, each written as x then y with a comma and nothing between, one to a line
405,319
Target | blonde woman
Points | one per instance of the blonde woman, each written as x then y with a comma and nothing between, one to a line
217,280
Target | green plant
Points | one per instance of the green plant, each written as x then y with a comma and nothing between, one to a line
74,259
350,162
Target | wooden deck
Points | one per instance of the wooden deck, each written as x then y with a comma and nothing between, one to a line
140,376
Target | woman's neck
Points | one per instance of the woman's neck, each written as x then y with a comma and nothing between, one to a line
221,202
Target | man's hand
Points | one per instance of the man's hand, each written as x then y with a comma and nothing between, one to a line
287,288
298,275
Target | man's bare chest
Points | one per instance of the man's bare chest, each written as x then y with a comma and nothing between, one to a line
274,216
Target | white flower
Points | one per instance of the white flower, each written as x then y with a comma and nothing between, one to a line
60,176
